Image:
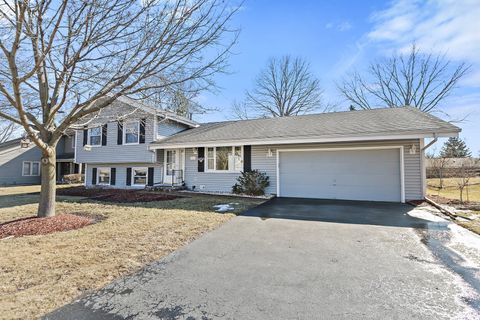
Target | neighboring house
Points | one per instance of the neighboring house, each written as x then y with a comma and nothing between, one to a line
359,155
22,165
452,167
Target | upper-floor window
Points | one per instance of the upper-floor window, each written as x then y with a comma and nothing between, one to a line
225,159
132,132
31,168
95,136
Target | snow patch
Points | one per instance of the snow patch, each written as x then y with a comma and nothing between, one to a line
225,207
426,213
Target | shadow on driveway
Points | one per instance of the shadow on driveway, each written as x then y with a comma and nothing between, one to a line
339,211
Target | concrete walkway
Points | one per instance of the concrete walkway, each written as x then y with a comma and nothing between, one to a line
298,259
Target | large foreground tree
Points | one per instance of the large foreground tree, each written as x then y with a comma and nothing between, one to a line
415,79
61,61
286,87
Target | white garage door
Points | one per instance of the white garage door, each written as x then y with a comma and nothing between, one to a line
364,174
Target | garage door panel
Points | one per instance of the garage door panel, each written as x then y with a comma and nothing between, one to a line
347,174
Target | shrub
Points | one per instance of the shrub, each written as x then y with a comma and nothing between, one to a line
252,183
73,178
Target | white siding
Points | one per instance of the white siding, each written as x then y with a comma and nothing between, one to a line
114,153
223,182
121,173
166,128
213,181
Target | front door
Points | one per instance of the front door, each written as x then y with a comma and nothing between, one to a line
171,166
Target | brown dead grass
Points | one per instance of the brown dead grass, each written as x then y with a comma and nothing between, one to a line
41,273
451,191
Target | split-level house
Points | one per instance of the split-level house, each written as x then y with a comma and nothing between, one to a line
375,155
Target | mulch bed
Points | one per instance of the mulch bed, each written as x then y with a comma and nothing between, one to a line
115,195
37,226
123,196
79,192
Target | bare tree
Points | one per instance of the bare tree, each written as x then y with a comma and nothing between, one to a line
286,87
61,61
240,110
6,130
465,174
438,165
417,79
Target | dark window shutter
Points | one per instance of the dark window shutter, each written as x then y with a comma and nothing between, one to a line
120,133
142,131
113,173
201,156
85,136
104,134
150,176
129,176
247,158
94,176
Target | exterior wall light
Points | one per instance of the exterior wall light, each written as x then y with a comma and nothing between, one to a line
25,143
413,149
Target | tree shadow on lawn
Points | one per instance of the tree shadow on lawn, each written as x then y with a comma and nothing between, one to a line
191,202
200,203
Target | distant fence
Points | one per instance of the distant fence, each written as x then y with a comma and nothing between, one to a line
453,172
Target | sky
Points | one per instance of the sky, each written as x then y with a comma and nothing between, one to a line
338,37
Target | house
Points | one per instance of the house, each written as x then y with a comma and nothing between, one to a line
373,155
21,165
452,167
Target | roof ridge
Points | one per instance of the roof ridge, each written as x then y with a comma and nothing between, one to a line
306,115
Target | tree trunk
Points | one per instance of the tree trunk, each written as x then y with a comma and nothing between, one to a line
46,206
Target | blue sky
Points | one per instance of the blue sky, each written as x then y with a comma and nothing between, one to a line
341,36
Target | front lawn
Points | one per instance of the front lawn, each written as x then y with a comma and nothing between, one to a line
43,272
450,189
450,195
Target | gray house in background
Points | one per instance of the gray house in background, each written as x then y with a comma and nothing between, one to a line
375,155
22,165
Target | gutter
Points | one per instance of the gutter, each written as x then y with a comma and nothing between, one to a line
238,142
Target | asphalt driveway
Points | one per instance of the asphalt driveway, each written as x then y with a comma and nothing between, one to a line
299,259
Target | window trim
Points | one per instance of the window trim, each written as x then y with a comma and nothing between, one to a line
31,169
109,176
214,170
90,137
125,123
133,184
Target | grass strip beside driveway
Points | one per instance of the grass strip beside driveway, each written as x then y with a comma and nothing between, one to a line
41,273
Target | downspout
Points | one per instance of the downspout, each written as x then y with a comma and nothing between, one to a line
435,139
422,161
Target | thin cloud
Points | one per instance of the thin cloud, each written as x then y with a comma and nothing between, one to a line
437,26
341,26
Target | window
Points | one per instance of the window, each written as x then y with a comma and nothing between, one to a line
31,168
228,159
95,136
139,176
103,176
132,132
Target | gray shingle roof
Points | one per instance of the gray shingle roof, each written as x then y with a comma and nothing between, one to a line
10,143
350,124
